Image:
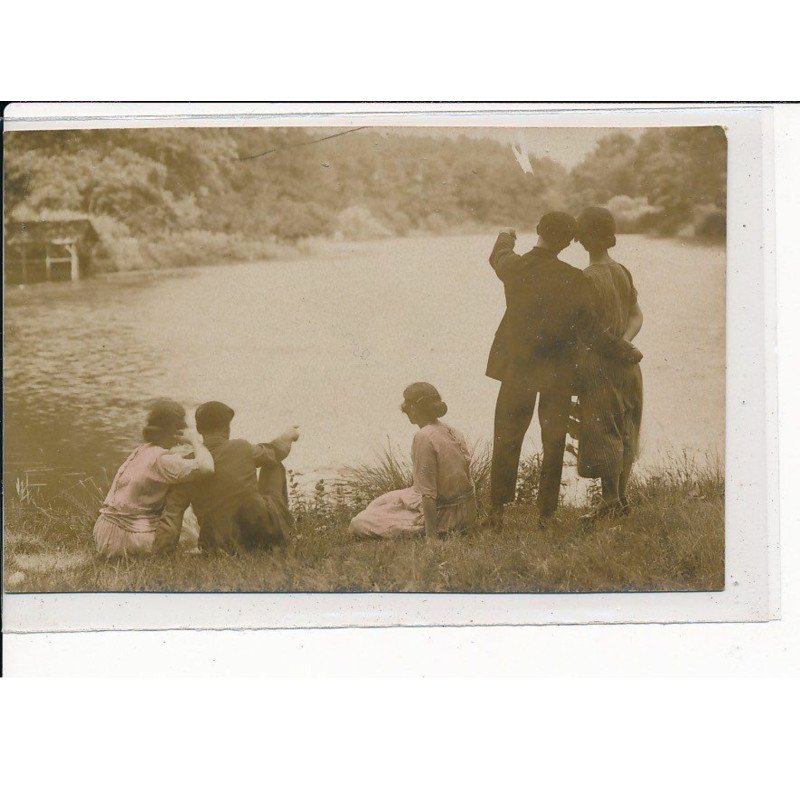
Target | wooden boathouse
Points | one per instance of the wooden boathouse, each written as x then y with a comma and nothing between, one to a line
48,250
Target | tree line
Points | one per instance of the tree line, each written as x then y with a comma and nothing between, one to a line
173,196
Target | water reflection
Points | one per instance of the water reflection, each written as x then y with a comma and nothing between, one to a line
326,342
75,375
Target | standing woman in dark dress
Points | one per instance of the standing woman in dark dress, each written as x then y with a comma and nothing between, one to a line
610,383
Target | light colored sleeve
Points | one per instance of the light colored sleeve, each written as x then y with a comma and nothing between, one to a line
168,532
634,294
173,467
464,447
425,466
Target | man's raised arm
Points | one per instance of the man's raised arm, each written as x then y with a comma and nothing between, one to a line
503,259
275,451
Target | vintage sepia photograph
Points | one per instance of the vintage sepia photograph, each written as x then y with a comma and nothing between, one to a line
411,359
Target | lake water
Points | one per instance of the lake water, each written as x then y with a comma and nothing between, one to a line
327,342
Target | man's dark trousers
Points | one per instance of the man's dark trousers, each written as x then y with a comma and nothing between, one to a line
513,414
533,355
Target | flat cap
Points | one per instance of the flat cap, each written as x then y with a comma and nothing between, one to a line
557,226
213,415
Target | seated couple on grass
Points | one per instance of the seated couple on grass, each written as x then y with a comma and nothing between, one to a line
237,490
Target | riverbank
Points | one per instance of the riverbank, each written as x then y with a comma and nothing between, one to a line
143,258
294,341
672,541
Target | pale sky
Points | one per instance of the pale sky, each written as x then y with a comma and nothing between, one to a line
565,145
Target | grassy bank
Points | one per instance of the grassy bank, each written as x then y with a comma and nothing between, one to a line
673,540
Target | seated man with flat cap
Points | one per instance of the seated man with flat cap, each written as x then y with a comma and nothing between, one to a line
239,509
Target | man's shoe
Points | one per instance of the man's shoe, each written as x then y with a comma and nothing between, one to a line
495,520
604,511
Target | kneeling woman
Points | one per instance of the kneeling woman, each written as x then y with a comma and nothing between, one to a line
131,511
442,497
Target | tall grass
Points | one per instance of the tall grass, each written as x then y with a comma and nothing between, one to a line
392,471
673,540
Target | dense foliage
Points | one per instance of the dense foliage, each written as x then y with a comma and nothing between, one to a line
170,196
670,180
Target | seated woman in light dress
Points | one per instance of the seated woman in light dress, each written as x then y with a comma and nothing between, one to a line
442,497
132,509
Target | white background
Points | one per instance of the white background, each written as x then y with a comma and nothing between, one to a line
665,739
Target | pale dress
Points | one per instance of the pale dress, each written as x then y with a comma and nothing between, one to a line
441,462
132,508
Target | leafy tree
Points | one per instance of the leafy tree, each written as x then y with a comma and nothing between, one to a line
609,171
676,177
160,193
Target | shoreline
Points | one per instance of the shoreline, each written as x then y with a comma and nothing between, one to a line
575,490
315,247
673,540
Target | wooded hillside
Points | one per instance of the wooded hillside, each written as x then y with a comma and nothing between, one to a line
174,196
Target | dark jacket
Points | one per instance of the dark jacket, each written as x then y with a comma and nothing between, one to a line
218,500
235,464
548,303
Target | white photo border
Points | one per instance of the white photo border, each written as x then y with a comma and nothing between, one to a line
752,547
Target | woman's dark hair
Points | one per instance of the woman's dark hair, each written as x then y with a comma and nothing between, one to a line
166,417
596,226
424,396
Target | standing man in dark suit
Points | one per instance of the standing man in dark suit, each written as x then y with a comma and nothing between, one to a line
534,354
